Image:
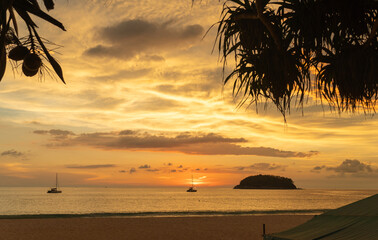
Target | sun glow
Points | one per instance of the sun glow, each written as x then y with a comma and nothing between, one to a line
196,181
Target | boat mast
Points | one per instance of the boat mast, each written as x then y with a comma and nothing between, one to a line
56,181
192,182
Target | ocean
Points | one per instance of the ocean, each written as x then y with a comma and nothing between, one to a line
86,202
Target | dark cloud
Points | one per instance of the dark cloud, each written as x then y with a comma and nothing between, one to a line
146,140
12,153
58,132
351,166
42,132
122,171
60,138
187,142
127,132
91,166
132,37
169,164
179,166
35,123
55,132
132,170
234,149
318,168
173,170
145,166
152,170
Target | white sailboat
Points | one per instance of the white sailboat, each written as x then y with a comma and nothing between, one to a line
192,188
55,189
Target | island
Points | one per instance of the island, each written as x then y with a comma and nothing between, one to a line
266,182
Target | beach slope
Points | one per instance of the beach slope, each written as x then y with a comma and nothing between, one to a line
198,228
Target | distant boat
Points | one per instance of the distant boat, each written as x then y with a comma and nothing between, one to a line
192,188
55,189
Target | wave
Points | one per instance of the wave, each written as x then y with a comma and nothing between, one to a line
167,214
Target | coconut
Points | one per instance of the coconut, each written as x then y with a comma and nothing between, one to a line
32,63
18,53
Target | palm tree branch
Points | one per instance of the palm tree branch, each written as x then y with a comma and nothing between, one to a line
28,7
273,32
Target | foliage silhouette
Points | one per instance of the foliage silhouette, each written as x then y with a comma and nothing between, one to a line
266,182
31,49
284,50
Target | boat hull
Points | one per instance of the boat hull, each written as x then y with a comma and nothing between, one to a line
191,189
54,191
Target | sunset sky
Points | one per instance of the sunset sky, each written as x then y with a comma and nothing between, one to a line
144,105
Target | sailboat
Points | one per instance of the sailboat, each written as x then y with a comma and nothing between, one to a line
192,188
55,189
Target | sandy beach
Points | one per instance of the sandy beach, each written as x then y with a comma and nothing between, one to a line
214,227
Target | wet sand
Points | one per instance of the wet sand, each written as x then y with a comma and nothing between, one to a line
196,228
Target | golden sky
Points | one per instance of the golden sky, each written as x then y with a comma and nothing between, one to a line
144,105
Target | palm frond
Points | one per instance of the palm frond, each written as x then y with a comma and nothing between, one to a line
337,38
32,48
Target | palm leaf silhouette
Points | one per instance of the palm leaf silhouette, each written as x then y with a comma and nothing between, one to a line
286,49
9,38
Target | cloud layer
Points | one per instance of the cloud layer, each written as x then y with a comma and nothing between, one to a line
12,153
186,142
132,37
348,167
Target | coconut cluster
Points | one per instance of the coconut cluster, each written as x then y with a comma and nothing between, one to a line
31,49
31,61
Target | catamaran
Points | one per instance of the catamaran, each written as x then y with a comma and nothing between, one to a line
192,188
55,189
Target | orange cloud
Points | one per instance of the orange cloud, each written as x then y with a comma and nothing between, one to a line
186,142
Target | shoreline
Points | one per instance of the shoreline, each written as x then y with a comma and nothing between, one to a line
305,212
199,227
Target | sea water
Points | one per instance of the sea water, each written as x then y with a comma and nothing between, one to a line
34,202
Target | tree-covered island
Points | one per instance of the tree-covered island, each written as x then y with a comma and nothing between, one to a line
266,182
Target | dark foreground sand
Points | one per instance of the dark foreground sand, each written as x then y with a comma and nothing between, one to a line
197,228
